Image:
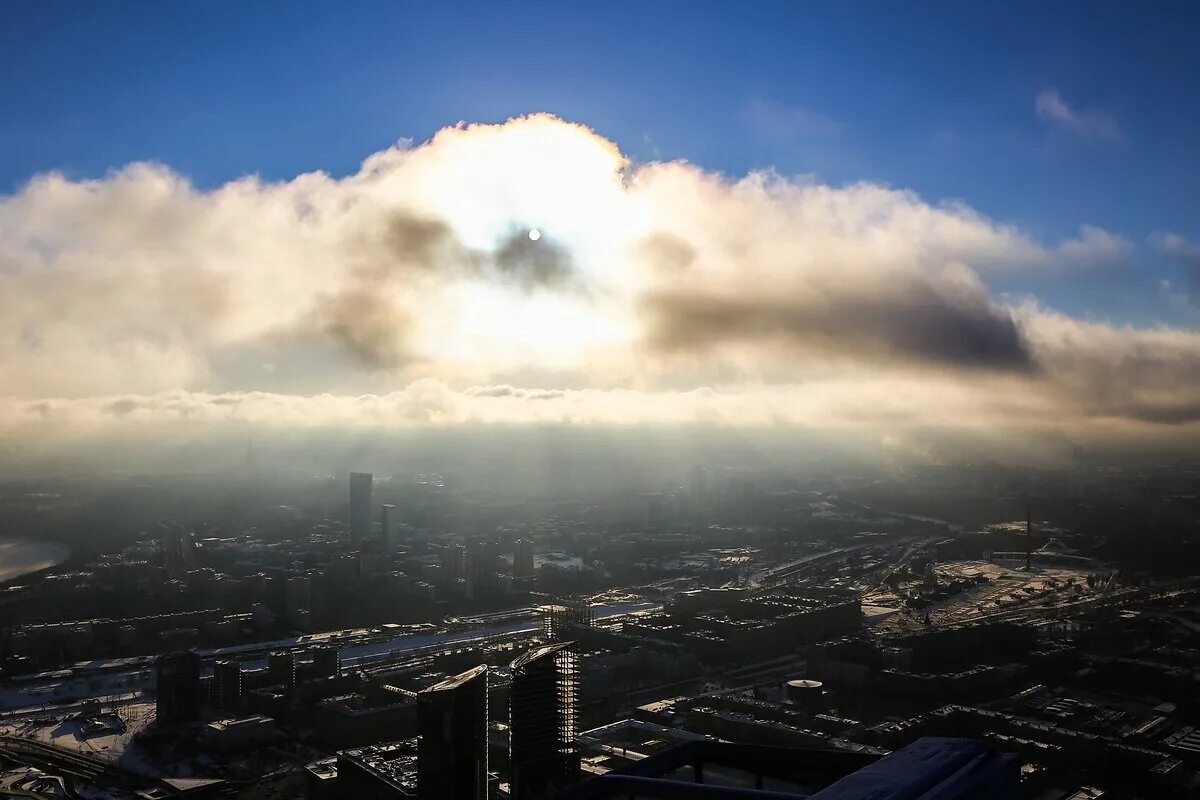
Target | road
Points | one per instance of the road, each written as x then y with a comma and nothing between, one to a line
358,647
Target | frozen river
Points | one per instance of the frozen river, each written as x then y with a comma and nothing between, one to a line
21,556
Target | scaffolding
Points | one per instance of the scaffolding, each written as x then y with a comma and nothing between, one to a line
544,720
567,620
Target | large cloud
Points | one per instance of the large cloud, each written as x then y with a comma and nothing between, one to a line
409,293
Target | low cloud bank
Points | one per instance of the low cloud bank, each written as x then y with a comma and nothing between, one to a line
411,293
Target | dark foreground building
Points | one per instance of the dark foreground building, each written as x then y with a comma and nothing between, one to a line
544,721
178,685
452,717
945,769
227,685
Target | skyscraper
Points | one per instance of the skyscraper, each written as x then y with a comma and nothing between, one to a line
523,558
452,719
390,521
327,661
281,668
360,506
178,685
227,685
544,721
460,562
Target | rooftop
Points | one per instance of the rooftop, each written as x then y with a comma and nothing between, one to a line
540,652
455,681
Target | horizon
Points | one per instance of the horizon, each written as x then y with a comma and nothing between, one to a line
514,401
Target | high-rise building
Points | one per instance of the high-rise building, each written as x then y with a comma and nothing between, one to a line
360,506
390,522
178,686
227,685
281,668
452,718
569,620
523,558
544,721
460,562
327,661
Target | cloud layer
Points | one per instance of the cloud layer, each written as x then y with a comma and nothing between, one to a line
410,293
1087,123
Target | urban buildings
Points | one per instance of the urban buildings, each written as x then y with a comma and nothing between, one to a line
775,642
391,522
227,685
326,661
379,772
452,717
544,720
941,768
523,558
360,507
177,679
281,668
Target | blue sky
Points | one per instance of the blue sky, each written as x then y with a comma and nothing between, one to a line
938,98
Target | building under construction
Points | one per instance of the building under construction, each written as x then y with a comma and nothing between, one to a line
544,720
568,619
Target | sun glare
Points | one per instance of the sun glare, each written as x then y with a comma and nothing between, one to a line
510,328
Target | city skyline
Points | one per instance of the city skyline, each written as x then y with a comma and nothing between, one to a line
565,401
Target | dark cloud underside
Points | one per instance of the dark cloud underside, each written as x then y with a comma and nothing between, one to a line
911,320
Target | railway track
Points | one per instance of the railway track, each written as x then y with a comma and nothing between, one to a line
67,763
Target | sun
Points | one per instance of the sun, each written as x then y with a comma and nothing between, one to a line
534,234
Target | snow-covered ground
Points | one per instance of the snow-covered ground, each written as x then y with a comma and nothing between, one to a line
32,780
65,729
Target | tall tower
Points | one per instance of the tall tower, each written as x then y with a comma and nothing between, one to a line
390,521
327,661
177,678
281,668
523,558
360,507
544,721
227,685
452,754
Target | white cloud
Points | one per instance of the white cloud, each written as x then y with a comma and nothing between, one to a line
1186,254
410,293
1176,246
1087,123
